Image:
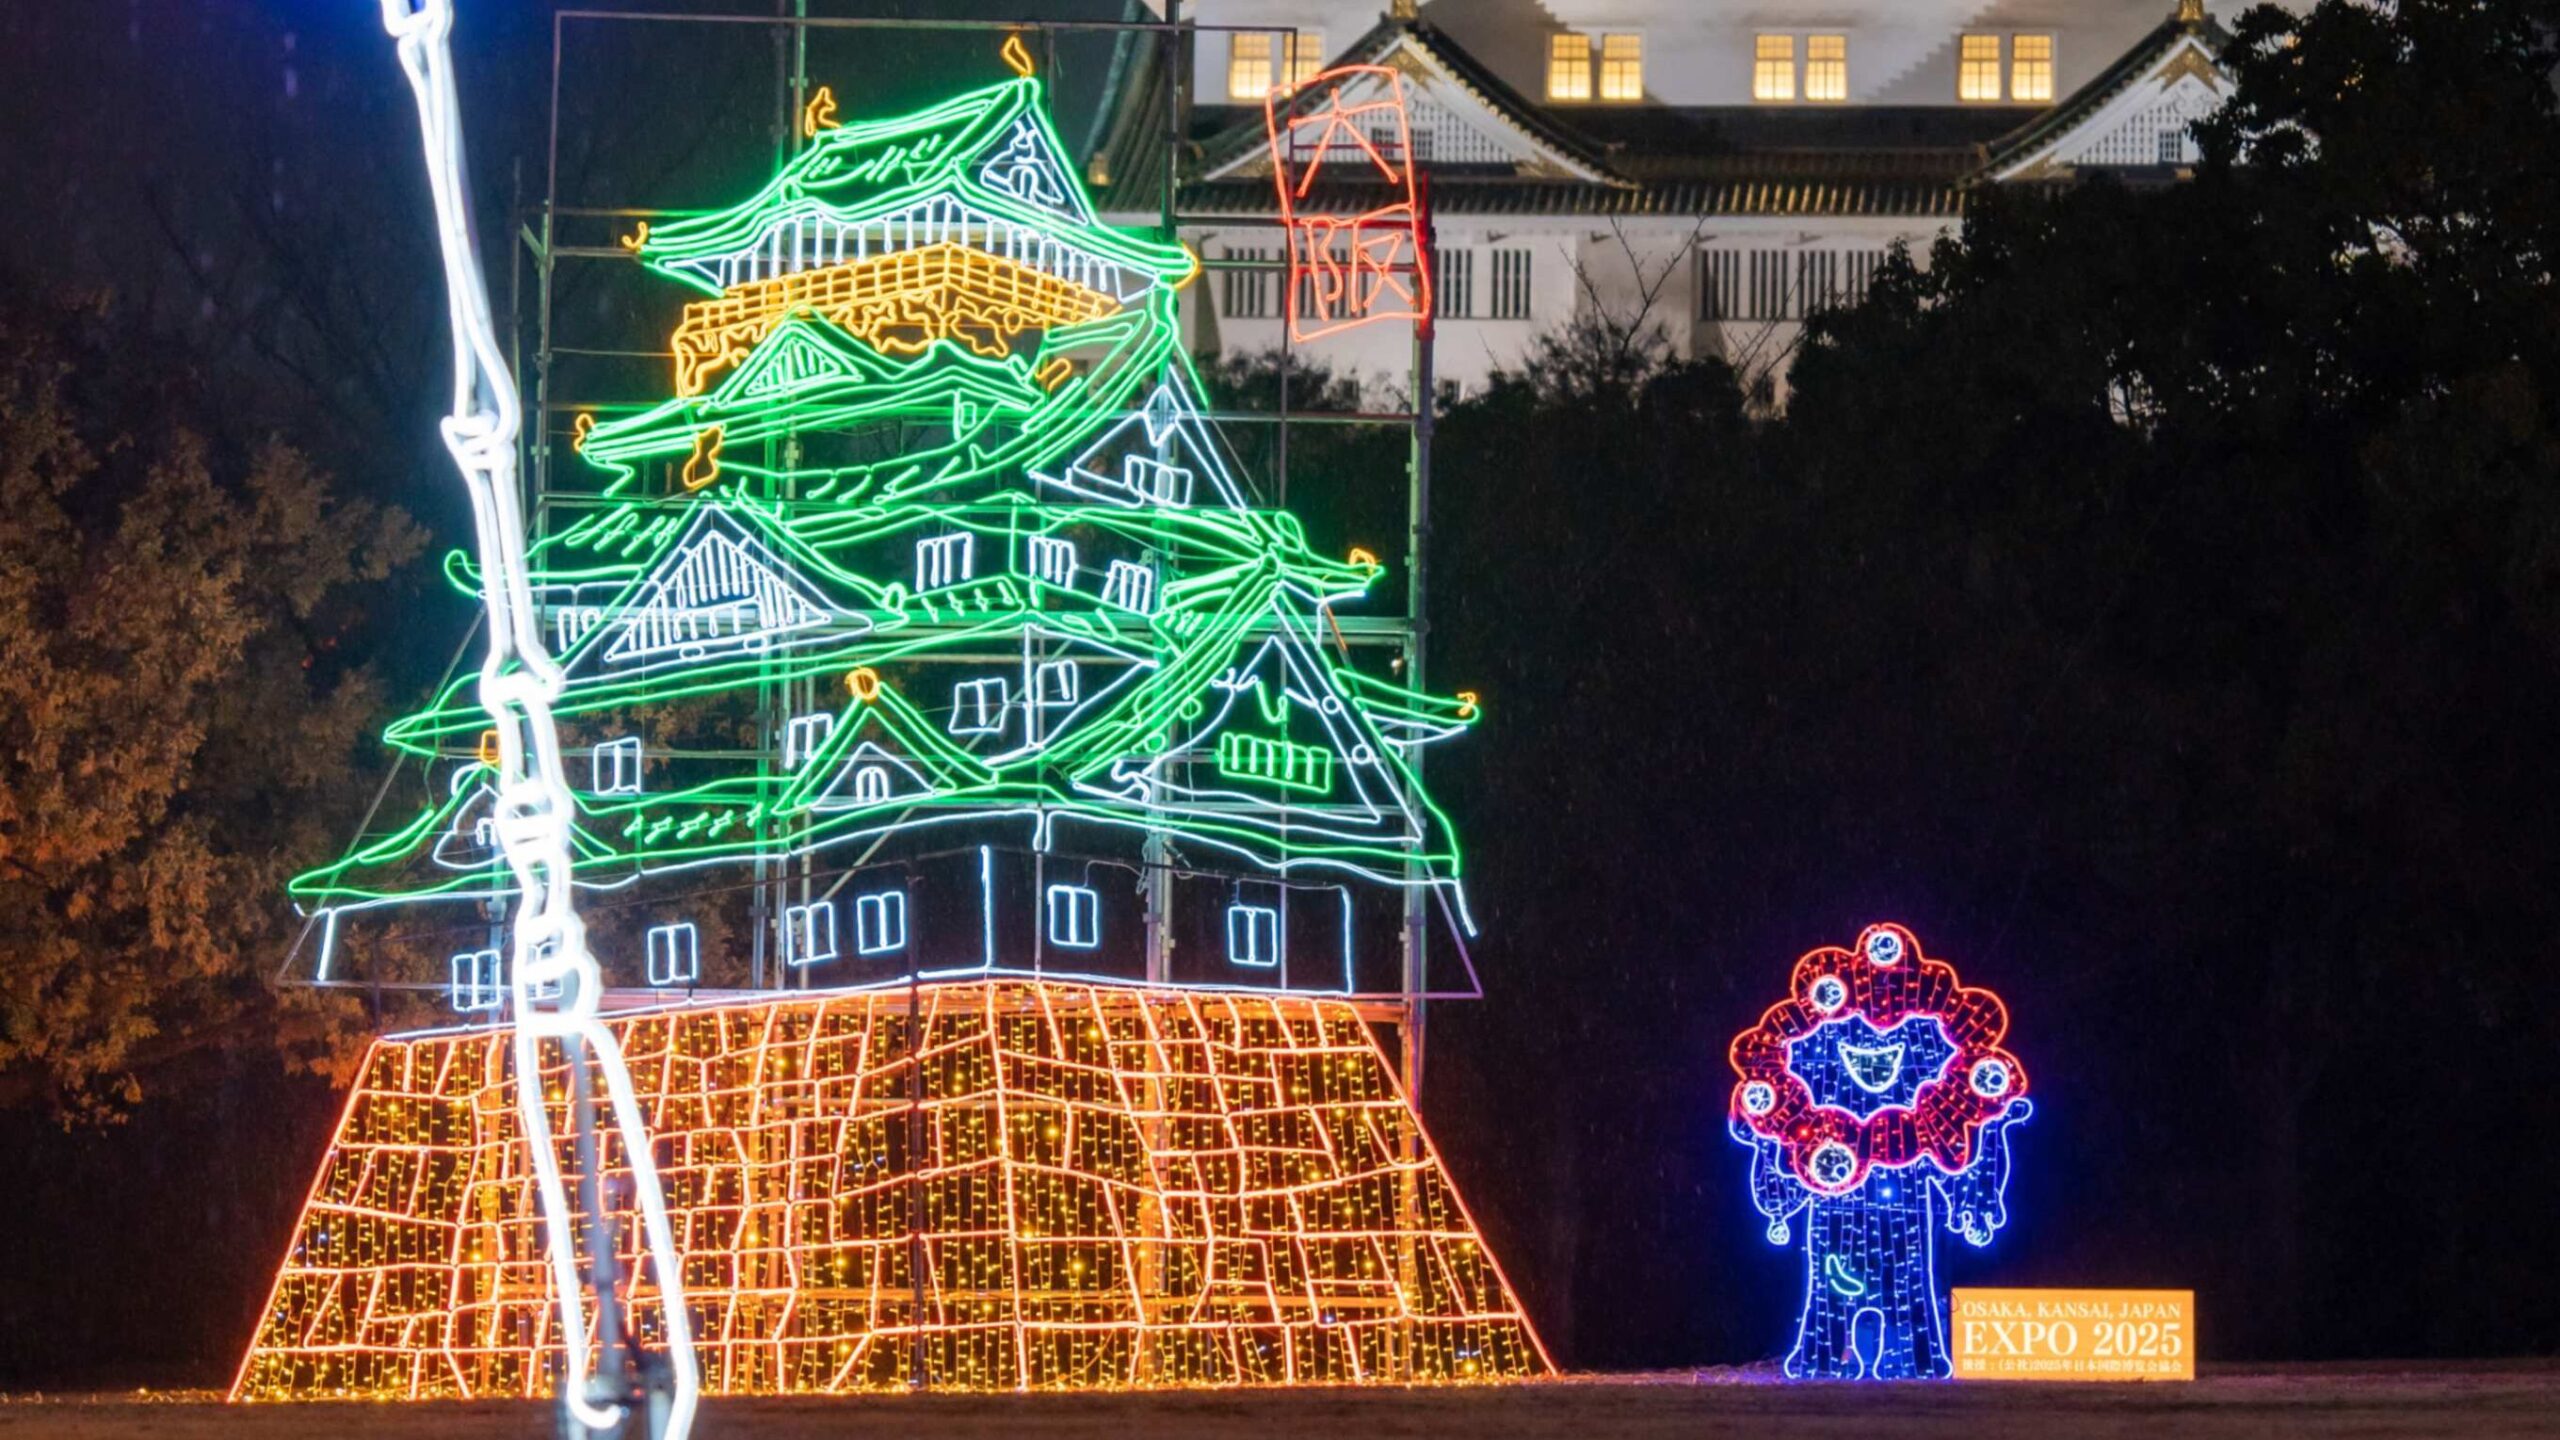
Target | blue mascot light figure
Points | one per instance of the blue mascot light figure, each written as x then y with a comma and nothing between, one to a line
1876,1102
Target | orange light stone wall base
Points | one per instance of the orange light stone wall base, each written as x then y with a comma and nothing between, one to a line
1020,1184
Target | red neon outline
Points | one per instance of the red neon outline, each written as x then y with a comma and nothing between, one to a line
1943,1119
1384,247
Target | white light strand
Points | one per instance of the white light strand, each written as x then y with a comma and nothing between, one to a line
556,982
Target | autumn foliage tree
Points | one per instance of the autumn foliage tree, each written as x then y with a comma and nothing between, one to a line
177,732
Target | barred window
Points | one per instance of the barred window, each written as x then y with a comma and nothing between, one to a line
1770,297
1817,276
1510,284
1453,294
1782,284
1245,294
1720,285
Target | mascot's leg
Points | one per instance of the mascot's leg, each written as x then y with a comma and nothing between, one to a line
1826,1345
1906,1295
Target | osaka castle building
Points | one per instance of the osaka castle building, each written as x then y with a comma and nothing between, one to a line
1715,169
1001,855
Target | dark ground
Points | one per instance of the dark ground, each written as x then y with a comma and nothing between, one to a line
2489,1402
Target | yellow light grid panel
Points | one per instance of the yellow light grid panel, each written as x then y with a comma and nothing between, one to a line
898,304
1094,1187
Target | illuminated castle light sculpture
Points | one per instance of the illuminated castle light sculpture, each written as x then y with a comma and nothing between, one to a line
1876,1102
1078,834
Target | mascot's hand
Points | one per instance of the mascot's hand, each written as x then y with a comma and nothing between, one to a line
1779,1234
1975,1229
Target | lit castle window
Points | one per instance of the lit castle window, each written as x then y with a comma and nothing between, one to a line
1621,67
478,983
1826,67
1569,66
1978,69
1773,68
2031,68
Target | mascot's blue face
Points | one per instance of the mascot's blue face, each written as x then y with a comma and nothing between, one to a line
1853,1066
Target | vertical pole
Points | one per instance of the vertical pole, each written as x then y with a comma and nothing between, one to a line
918,1252
616,1373
798,695
1159,880
1417,631
1416,979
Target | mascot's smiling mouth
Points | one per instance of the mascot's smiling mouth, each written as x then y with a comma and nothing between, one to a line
1874,1067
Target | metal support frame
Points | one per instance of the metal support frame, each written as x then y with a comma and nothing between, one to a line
1405,1011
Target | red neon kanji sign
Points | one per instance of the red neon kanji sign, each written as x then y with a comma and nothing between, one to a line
1348,126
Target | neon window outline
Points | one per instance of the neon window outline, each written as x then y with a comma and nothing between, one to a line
809,933
978,706
804,735
1253,935
1129,585
1056,683
614,766
1075,916
674,953
478,983
880,922
1053,561
946,560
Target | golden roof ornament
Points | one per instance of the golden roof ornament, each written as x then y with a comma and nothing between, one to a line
2190,12
1403,10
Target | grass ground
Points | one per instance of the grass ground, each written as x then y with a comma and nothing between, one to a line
2478,1402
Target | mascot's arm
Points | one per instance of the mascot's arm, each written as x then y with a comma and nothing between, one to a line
1775,1191
1976,1195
